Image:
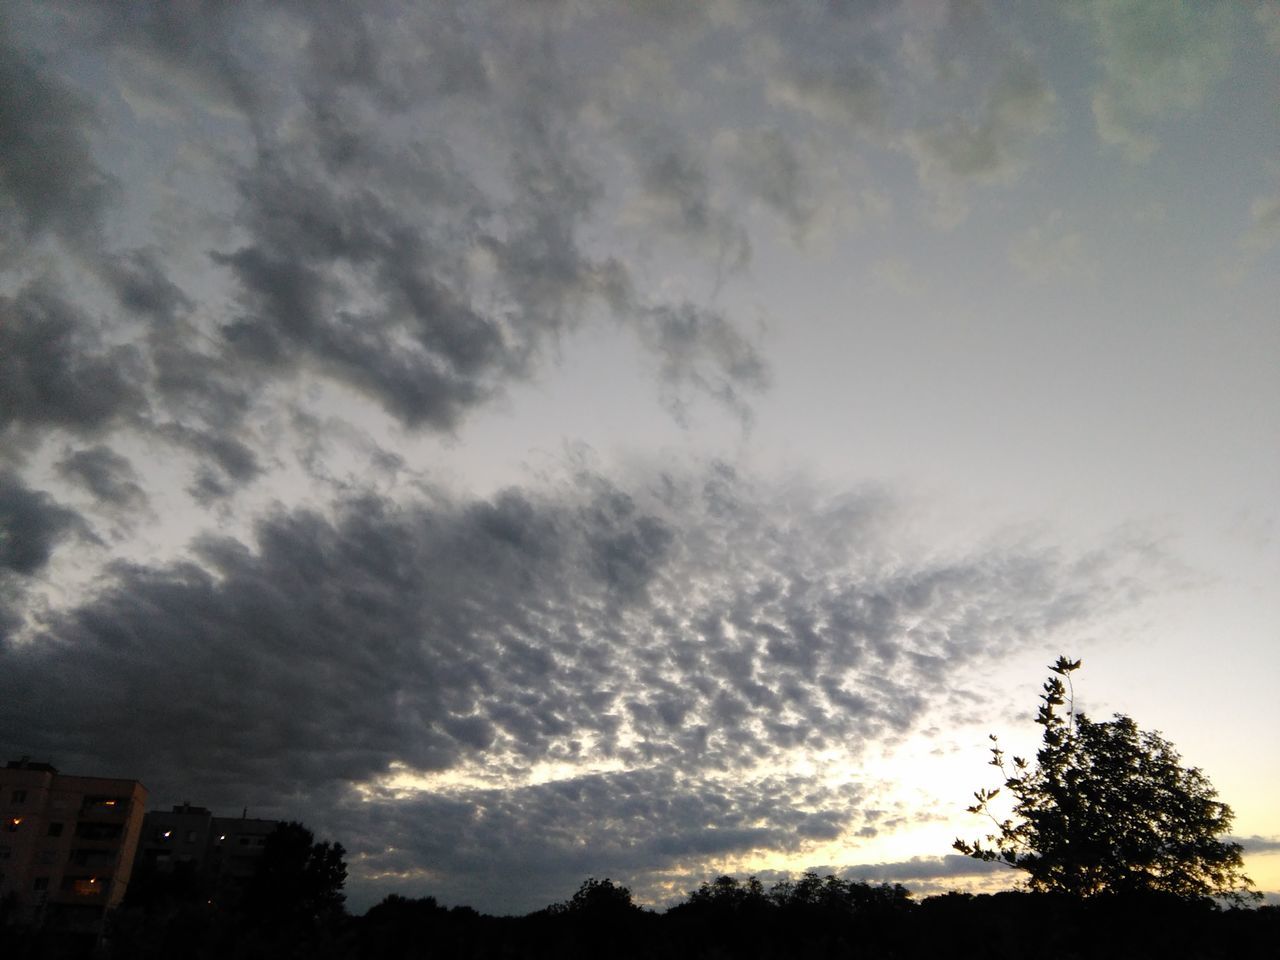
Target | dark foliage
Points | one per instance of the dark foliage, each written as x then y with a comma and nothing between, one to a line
1109,809
298,877
726,917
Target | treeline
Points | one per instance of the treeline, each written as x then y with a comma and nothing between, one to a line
725,918
293,907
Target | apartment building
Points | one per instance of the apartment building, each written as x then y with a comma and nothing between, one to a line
67,843
190,844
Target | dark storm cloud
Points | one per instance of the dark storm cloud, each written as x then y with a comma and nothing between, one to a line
31,525
419,349
104,473
49,181
143,288
54,369
697,624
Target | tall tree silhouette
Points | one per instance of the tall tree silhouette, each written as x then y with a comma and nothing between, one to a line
1109,808
298,878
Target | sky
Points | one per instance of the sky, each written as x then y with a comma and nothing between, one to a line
650,440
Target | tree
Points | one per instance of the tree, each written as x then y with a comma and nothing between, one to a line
298,877
1109,808
601,898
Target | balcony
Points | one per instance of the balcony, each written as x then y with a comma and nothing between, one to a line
98,833
104,809
83,871
90,891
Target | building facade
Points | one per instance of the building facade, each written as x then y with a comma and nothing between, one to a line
190,845
67,843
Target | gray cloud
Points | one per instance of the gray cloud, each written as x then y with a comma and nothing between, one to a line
417,210
1256,844
988,146
701,352
833,74
1159,60
676,185
106,474
366,252
769,168
49,181
143,288
54,369
429,338
167,52
922,868
526,847
699,625
31,525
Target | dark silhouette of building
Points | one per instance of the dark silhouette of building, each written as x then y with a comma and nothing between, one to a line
67,844
219,855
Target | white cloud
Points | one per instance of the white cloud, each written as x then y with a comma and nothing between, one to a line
1159,60
990,147
1259,238
1052,251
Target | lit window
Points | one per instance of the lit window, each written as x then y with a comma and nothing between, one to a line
13,824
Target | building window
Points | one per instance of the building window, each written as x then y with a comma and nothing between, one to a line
191,836
55,829
40,883
103,804
98,831
4,851
46,857
19,796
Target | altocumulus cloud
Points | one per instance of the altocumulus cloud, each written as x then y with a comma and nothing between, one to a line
588,673
408,207
334,231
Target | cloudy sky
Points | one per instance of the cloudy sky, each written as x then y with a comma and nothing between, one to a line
535,440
